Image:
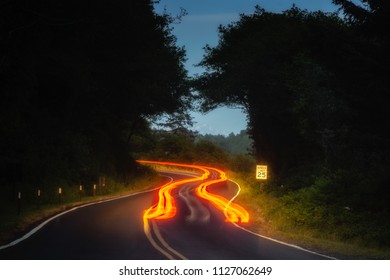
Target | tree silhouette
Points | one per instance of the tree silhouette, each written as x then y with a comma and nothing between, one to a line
77,80
313,86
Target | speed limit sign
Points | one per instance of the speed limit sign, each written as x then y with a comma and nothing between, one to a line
261,172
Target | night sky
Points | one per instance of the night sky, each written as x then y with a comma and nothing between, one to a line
199,27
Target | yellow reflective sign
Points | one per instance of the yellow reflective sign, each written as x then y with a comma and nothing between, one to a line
261,172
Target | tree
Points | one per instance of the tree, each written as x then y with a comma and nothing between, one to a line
370,16
252,66
78,80
312,85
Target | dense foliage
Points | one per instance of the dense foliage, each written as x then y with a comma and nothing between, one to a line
78,79
314,87
189,147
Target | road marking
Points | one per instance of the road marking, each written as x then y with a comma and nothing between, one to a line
153,242
159,210
157,233
272,239
165,207
164,243
40,226
230,210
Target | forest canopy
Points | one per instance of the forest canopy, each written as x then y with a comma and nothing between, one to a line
315,88
313,85
78,79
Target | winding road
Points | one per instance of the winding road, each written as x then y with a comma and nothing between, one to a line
193,216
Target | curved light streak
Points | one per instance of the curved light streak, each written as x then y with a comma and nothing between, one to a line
166,209
233,212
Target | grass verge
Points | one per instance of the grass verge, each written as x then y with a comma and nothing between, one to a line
299,219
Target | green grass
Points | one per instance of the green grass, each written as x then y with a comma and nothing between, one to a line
14,225
304,218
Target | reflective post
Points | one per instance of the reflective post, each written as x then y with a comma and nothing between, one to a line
59,195
39,199
19,202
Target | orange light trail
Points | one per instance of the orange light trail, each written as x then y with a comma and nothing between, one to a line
233,212
165,207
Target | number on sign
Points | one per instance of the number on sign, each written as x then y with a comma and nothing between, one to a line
261,172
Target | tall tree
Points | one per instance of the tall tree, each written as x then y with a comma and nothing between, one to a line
77,79
252,66
312,84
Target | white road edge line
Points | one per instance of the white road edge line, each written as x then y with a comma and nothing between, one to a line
272,239
37,228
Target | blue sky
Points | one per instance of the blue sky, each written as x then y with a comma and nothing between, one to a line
199,28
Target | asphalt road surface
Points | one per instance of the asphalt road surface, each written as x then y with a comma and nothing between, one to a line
115,230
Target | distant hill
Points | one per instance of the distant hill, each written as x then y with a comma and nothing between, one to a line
233,143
